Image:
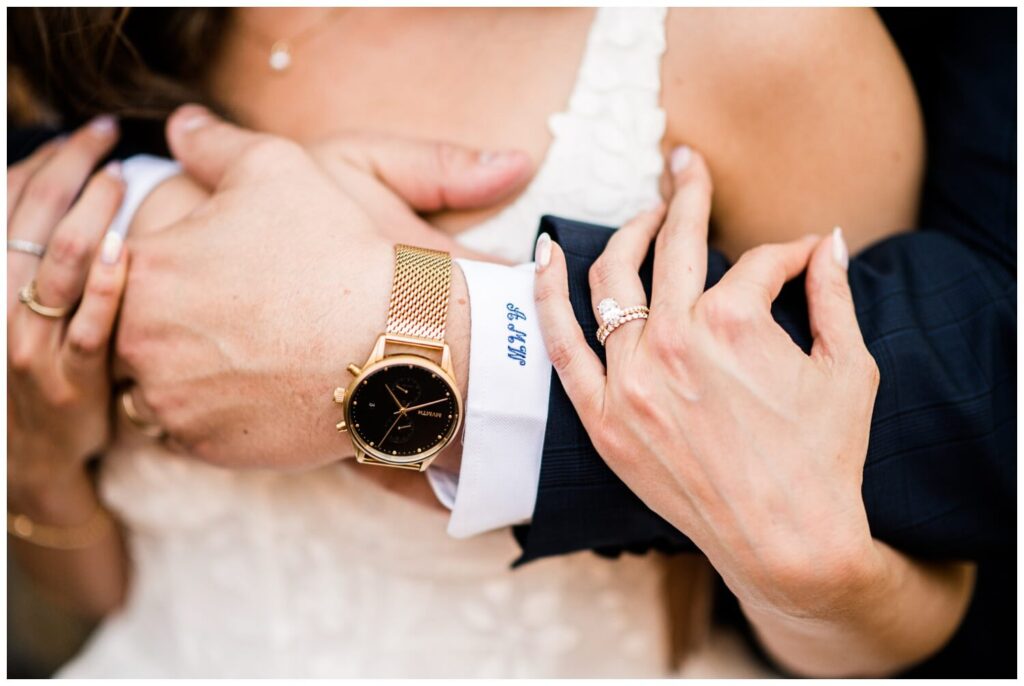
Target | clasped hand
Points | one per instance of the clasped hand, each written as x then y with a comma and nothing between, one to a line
714,417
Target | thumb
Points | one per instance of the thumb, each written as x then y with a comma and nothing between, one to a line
431,175
830,302
205,144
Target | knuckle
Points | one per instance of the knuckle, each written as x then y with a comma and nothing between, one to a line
561,353
102,289
666,341
602,273
49,191
545,292
868,369
61,396
268,152
21,356
87,341
69,247
840,291
638,394
725,316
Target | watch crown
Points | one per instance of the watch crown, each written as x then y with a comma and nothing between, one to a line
340,426
354,370
339,395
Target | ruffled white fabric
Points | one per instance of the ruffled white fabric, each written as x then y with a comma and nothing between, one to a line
604,162
324,573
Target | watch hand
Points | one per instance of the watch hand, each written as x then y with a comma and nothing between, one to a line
416,407
400,406
388,432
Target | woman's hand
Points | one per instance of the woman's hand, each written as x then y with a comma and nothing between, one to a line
755,450
58,393
711,413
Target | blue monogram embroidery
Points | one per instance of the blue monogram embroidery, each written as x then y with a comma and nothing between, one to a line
516,353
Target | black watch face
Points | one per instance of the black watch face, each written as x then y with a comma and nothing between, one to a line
403,410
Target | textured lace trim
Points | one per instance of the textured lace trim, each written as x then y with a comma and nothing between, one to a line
605,161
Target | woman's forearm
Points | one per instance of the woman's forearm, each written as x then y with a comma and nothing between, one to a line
909,614
89,581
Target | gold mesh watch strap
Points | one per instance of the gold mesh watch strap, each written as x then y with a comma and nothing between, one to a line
419,293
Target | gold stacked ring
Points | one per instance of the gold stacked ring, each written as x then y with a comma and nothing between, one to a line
628,314
27,295
146,428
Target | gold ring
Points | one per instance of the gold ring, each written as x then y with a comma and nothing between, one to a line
27,295
146,428
628,314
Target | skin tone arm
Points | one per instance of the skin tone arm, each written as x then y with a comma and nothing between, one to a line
58,378
825,598
807,118
59,391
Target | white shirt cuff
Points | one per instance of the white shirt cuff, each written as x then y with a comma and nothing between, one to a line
506,408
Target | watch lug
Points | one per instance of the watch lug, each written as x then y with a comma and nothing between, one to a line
446,361
377,353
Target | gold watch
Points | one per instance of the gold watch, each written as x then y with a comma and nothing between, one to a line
403,407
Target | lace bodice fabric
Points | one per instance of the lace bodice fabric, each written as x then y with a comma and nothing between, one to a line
324,573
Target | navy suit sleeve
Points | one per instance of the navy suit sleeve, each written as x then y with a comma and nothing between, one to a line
939,319
937,308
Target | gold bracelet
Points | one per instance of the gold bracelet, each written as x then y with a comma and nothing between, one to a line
61,537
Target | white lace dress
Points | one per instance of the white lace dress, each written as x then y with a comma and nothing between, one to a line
324,573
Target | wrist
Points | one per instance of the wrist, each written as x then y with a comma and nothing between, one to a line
67,500
361,324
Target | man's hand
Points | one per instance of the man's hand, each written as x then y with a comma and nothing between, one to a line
239,320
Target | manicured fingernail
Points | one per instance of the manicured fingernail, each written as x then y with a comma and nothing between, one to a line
194,122
680,159
110,250
103,125
840,253
542,254
494,158
192,117
113,169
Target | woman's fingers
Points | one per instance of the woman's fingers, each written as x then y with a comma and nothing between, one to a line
680,264
48,194
615,274
761,272
579,369
830,302
19,174
84,353
63,271
430,175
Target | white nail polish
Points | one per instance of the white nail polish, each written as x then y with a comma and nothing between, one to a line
542,254
104,125
840,253
110,249
113,169
680,159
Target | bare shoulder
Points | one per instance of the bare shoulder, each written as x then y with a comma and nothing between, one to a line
805,115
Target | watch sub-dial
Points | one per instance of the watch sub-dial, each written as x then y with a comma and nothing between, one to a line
401,434
407,390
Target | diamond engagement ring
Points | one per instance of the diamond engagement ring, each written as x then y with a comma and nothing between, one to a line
613,315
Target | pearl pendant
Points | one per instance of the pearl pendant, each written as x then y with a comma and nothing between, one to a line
280,56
